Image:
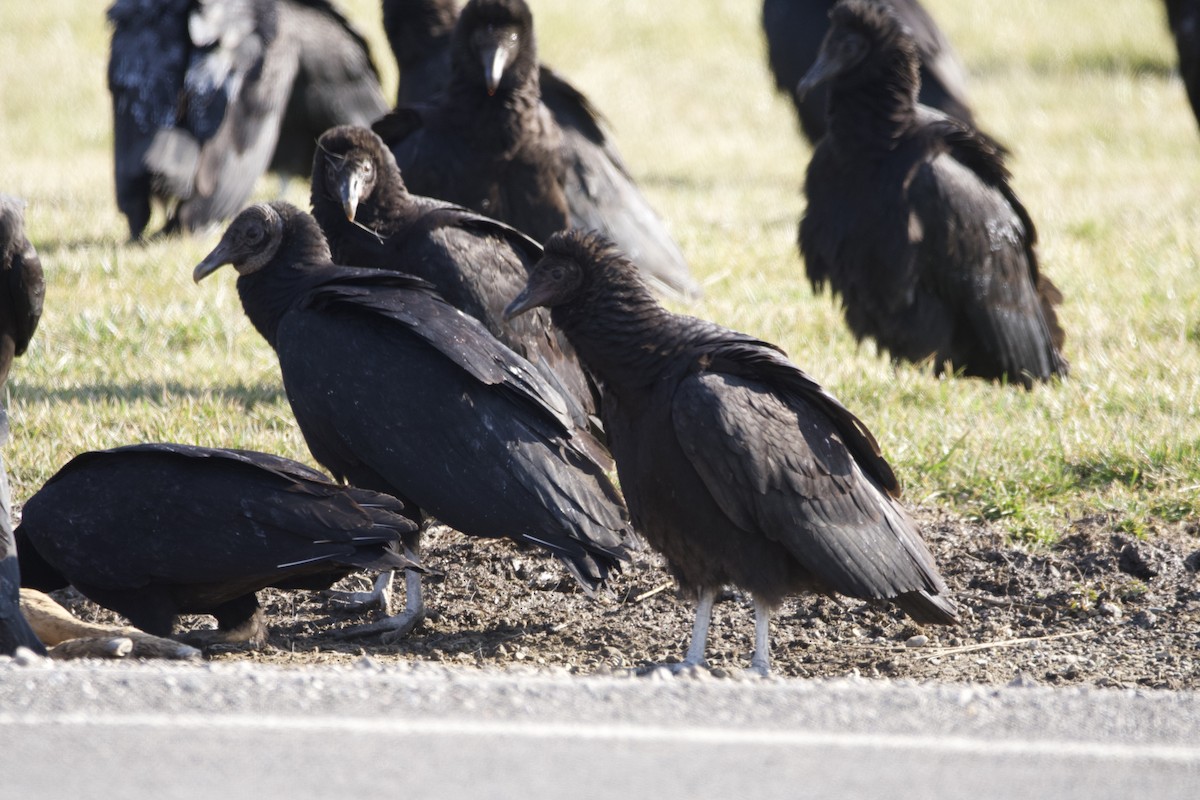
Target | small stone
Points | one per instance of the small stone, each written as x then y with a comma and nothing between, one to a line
1145,619
920,640
1110,610
26,657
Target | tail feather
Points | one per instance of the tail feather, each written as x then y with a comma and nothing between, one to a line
928,609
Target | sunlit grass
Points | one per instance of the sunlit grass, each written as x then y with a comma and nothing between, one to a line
1106,155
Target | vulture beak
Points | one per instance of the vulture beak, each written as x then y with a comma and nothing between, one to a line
495,58
824,68
220,256
529,298
496,47
350,189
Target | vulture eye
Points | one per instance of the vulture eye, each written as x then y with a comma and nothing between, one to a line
255,234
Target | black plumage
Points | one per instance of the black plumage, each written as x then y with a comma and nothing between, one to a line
736,465
156,530
336,81
200,90
794,30
14,628
475,263
419,34
515,141
912,221
1183,17
22,286
398,391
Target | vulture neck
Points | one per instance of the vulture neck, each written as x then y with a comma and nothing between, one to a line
510,114
269,293
872,109
620,331
390,209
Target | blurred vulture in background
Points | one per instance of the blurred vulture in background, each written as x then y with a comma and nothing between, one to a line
515,142
22,288
476,263
398,391
794,30
911,219
737,466
152,531
419,34
208,93
1183,16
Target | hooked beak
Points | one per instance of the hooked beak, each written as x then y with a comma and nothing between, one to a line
528,299
495,57
219,257
824,68
350,190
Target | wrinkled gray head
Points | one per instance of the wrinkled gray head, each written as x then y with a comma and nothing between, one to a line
249,243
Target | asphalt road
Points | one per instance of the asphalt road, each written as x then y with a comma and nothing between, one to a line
170,731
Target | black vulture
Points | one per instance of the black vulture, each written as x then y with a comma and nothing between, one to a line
493,142
14,628
1183,17
911,218
794,30
200,89
419,34
396,390
156,530
22,287
475,263
737,466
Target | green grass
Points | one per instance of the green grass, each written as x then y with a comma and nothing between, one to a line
1106,155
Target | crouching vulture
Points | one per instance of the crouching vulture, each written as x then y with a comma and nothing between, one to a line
736,465
152,531
397,391
912,221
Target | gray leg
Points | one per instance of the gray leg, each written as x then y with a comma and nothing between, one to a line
695,652
760,664
379,597
399,625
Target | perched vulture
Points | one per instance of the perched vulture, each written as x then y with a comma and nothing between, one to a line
396,390
152,531
203,91
794,30
475,263
912,221
22,287
492,141
737,466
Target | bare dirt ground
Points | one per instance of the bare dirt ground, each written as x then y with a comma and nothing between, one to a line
1101,608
